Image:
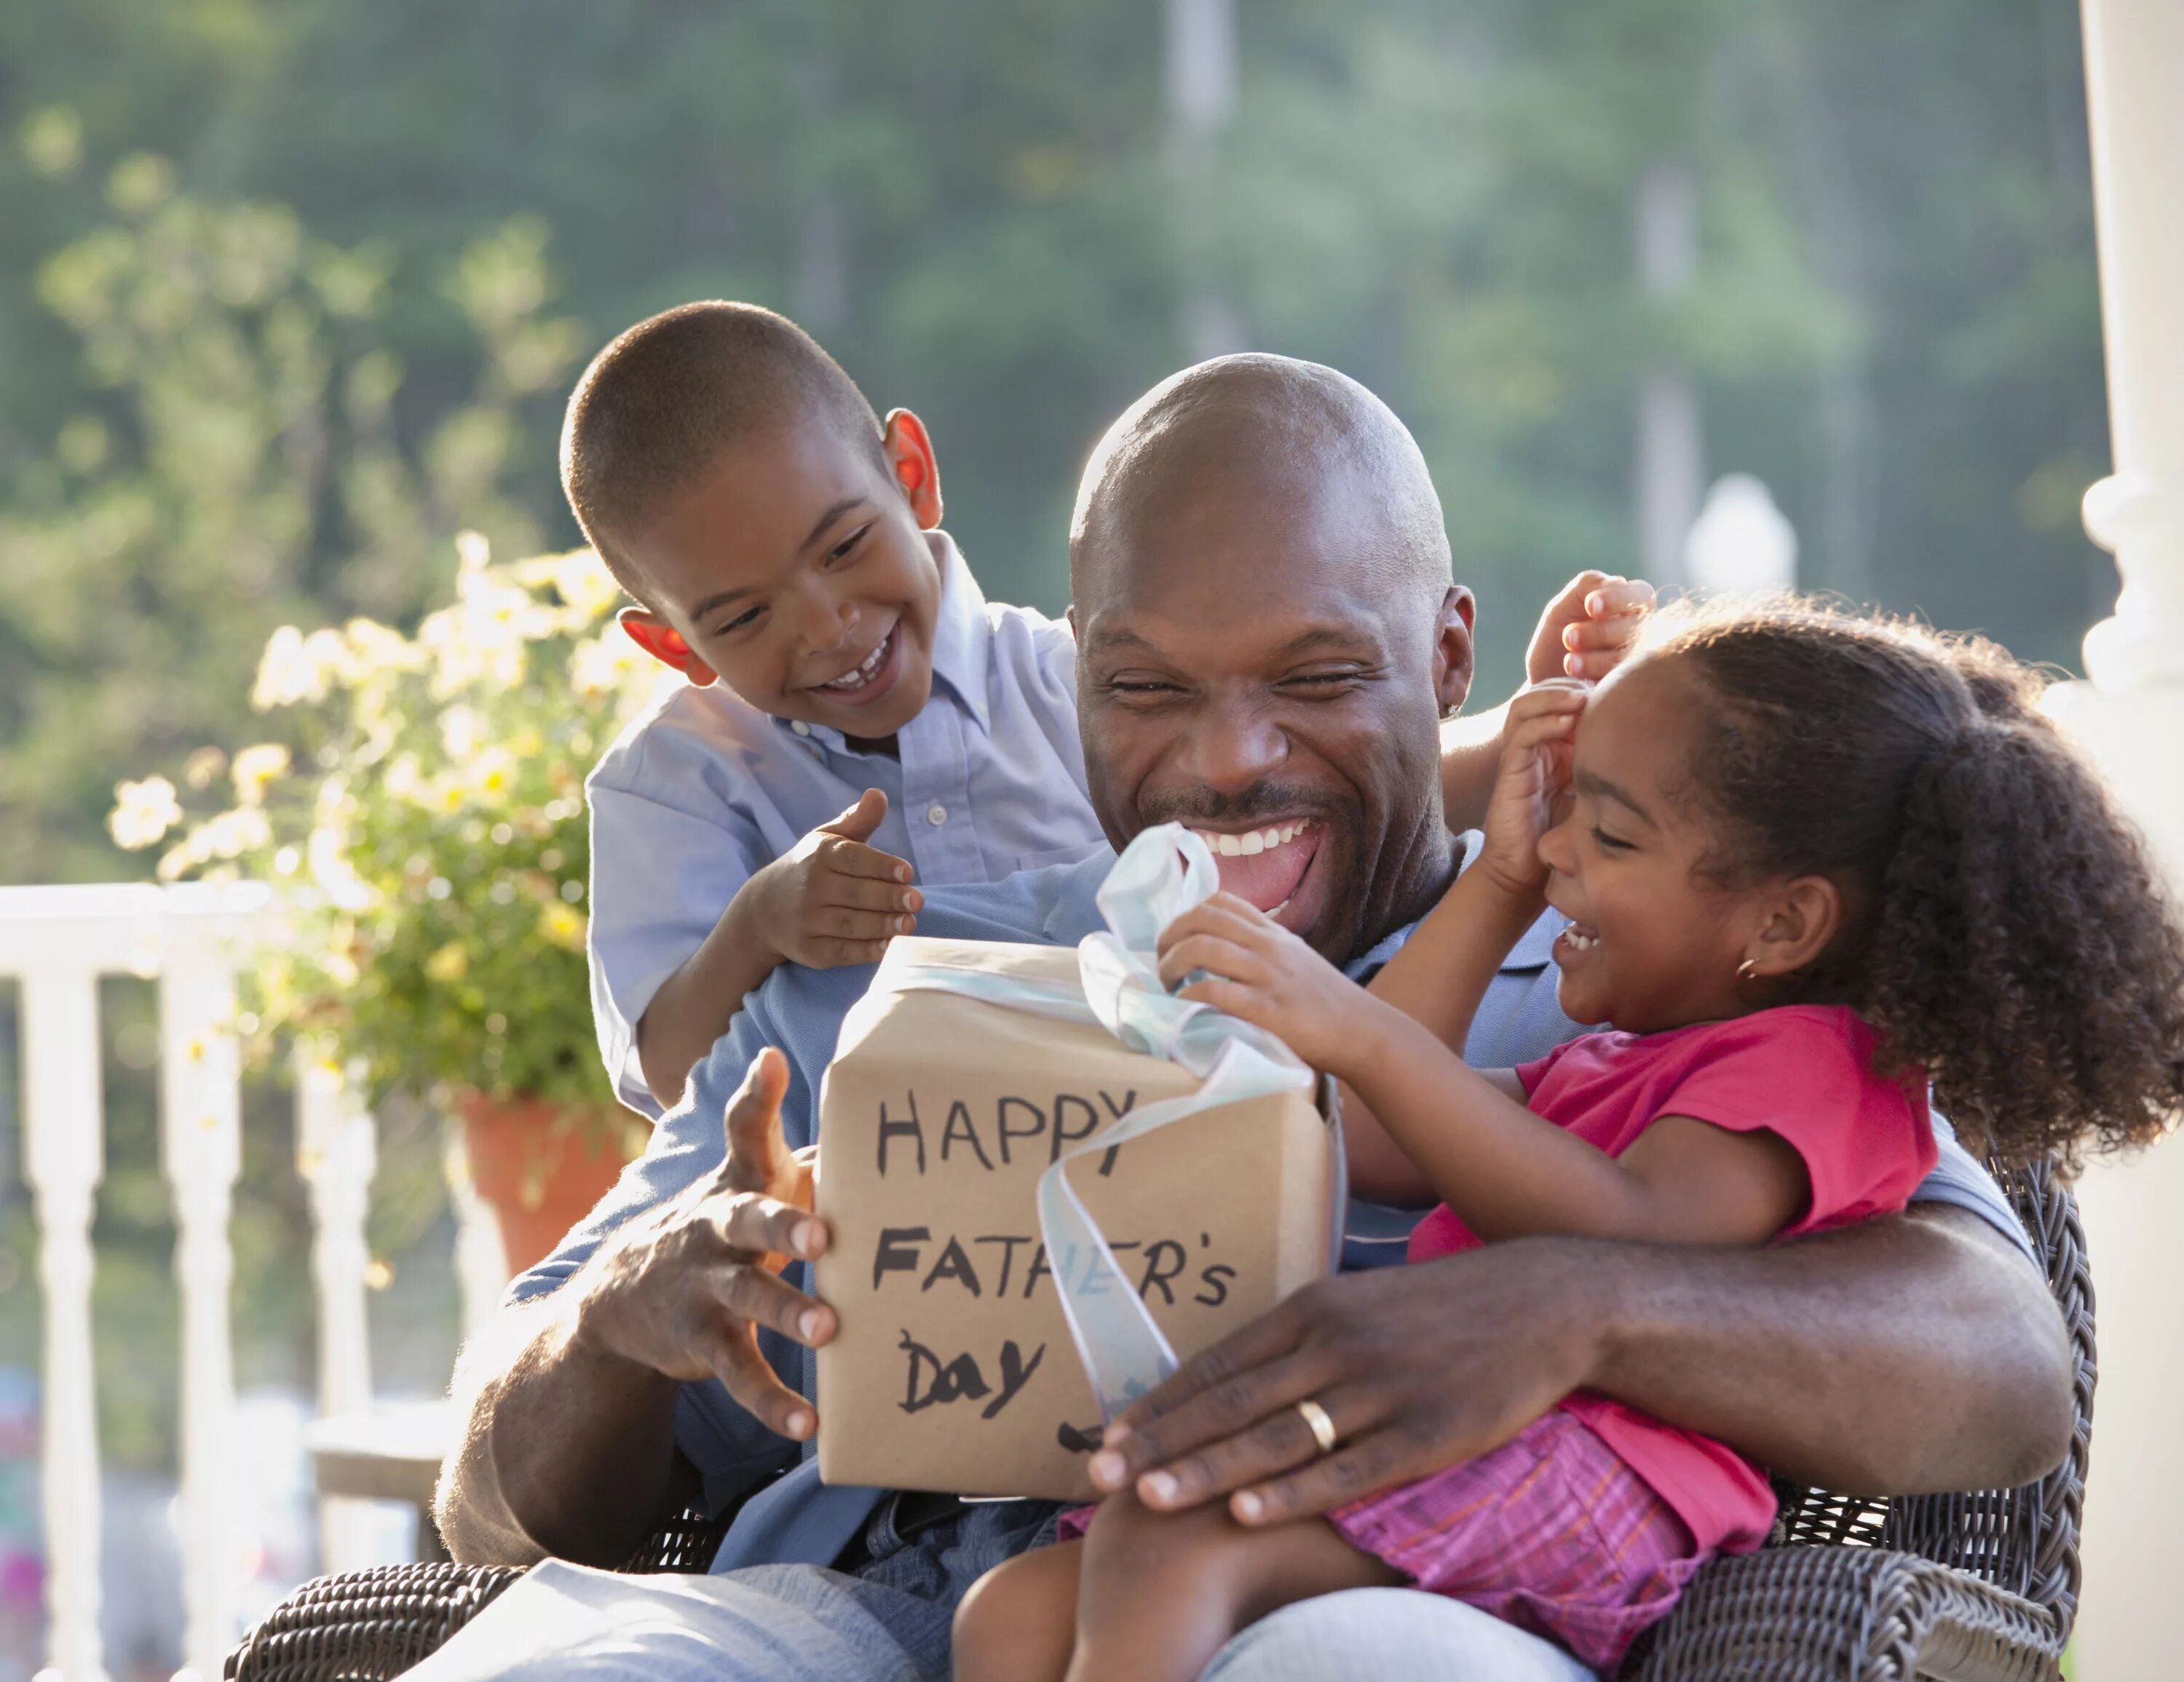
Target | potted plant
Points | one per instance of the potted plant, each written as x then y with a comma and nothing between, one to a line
427,801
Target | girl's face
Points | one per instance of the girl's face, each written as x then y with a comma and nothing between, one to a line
1652,944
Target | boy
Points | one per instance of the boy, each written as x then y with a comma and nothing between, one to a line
780,539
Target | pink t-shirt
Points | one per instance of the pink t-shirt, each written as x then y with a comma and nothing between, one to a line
1803,1072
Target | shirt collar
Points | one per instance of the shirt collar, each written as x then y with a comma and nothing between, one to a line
961,637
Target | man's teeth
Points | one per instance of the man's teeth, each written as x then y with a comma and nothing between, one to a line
1251,841
863,671
1577,938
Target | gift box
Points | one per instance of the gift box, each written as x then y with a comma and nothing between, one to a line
973,1089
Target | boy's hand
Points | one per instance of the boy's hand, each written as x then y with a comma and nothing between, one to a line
1588,627
1257,969
1530,790
831,899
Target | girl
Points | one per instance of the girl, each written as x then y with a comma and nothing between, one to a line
1810,862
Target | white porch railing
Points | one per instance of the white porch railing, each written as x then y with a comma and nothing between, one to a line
57,942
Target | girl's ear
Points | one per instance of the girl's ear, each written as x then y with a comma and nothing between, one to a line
665,644
1798,920
910,459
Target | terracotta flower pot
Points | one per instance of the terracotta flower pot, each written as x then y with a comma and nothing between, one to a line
540,1166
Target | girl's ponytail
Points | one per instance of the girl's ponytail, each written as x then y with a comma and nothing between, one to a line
2007,929
2021,948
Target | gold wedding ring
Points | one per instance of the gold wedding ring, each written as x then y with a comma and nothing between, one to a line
1322,1428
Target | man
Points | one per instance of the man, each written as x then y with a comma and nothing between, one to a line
1268,637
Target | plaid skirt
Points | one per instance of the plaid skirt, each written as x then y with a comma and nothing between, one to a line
1552,1532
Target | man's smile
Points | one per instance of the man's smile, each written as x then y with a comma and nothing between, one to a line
1267,864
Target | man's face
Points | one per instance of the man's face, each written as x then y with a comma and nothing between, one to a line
1249,666
793,568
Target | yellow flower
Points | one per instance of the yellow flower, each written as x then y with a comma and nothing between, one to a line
493,773
333,874
281,677
295,667
231,834
255,767
563,925
403,781
373,649
142,812
448,965
608,663
584,582
462,732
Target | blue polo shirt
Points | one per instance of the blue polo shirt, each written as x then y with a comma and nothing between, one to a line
702,789
799,1521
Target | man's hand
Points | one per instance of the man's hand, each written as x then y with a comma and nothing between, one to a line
831,899
683,1289
1588,627
1418,1368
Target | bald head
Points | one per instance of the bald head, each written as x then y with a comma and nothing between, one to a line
1267,639
1269,430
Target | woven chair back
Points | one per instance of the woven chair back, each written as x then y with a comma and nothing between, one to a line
2024,1539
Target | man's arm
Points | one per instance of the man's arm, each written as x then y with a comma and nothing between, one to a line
1918,1352
568,1446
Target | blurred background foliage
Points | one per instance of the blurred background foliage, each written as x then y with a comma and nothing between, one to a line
290,289
290,292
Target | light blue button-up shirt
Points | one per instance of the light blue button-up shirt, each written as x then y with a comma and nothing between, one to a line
703,790
798,1520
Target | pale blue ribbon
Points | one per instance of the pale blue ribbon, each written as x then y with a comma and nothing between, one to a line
1162,874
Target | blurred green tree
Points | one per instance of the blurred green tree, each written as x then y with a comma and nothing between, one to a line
234,461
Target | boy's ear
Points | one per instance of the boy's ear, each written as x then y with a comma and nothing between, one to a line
665,644
1800,920
910,457
1453,651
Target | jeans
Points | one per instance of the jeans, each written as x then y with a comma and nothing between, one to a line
889,1623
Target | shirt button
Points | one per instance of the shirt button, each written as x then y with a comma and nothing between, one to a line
936,814
799,727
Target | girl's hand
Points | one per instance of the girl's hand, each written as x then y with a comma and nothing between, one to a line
1257,969
1531,791
1589,627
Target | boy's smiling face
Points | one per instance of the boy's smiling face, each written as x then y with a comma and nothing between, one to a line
795,568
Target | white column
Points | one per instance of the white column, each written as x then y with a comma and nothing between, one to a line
1670,462
1200,64
336,1153
2131,715
64,1149
202,1142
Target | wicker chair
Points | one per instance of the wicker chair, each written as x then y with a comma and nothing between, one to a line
1964,1588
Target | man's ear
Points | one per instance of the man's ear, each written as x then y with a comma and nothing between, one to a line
909,458
1798,920
1453,651
665,644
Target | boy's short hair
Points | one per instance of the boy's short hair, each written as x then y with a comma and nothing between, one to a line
662,401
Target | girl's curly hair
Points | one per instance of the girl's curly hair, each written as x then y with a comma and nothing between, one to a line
2004,927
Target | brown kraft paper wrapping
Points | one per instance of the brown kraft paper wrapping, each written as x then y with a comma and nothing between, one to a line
953,1368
